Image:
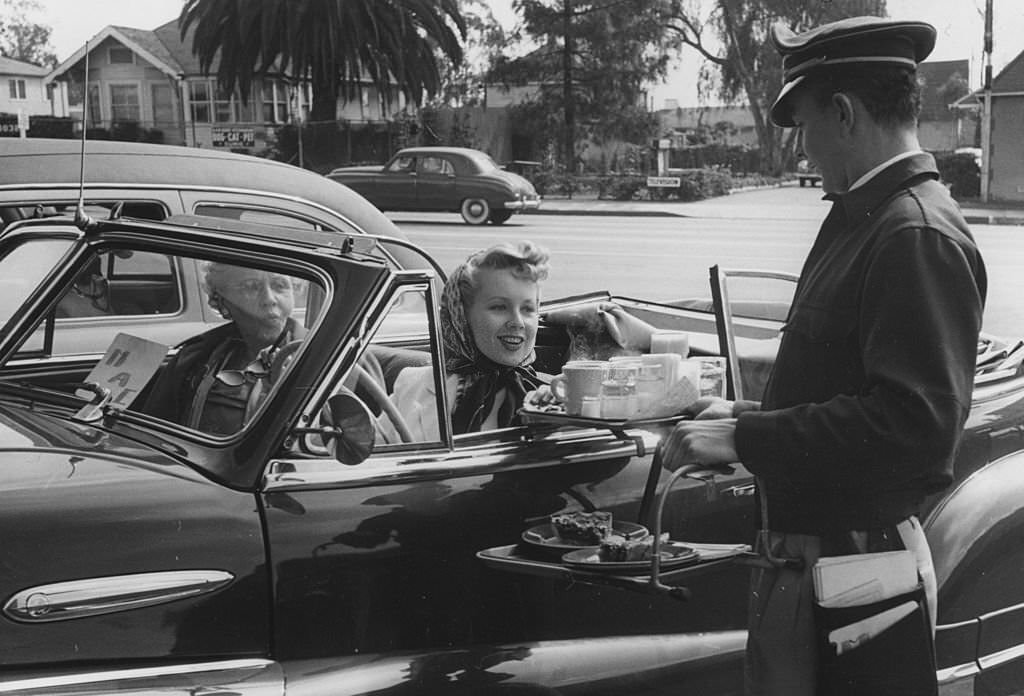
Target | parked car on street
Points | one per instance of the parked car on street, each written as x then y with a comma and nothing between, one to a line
452,179
309,552
807,173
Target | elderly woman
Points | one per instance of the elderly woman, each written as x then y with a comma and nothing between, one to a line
489,316
216,379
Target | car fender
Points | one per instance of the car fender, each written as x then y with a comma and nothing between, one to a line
696,663
496,191
982,510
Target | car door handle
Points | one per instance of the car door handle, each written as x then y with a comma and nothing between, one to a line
740,491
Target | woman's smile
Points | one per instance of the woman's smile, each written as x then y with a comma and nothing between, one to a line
504,316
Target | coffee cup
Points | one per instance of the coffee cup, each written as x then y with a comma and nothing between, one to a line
579,379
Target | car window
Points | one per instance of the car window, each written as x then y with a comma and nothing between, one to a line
259,215
210,376
435,165
34,259
143,292
94,208
401,165
395,378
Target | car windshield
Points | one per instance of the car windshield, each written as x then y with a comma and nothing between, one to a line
199,342
23,269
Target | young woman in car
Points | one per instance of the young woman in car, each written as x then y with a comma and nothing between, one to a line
490,310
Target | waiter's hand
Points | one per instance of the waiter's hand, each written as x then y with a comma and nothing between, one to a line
708,443
709,407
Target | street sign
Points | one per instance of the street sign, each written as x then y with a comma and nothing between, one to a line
663,181
234,137
9,126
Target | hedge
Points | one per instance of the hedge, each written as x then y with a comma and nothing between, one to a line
960,172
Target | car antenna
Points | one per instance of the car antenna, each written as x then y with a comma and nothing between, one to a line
83,221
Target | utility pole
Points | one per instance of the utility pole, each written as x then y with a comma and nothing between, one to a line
567,95
986,109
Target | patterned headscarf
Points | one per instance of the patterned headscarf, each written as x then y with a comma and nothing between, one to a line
480,378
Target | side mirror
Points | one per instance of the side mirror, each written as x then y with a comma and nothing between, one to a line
347,428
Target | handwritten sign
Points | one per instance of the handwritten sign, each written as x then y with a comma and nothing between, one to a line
129,363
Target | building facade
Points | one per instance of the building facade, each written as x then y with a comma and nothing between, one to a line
23,93
147,85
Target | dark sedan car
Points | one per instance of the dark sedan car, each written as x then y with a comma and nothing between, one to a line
306,552
443,179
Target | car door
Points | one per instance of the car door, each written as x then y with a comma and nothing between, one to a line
380,559
435,184
396,184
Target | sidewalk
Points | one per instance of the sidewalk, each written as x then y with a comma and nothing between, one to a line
727,207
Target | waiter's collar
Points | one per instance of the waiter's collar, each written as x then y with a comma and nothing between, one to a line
867,176
870,190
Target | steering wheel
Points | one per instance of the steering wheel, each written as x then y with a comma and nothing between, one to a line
372,388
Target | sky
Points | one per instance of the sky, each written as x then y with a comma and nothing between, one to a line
958,22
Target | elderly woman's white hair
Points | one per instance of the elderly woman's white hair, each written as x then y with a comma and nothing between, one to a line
213,274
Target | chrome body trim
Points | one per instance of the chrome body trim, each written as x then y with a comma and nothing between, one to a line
245,677
75,599
950,675
1001,657
304,474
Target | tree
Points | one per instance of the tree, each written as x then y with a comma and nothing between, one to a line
23,39
733,36
337,43
463,83
593,60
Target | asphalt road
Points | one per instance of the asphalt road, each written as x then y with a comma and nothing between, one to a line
664,258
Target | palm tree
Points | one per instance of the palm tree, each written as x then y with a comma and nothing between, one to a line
337,43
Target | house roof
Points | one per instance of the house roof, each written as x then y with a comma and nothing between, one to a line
143,42
9,66
1010,80
935,75
162,47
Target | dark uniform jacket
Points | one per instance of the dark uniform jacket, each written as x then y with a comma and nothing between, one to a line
873,380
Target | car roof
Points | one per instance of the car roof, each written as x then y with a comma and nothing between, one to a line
434,150
111,164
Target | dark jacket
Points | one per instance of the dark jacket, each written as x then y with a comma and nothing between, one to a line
178,382
874,376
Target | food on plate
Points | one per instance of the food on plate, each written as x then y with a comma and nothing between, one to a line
584,527
619,549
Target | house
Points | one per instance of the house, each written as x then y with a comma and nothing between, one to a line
1006,151
943,82
148,85
693,125
22,92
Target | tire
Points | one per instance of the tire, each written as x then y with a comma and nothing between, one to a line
499,217
803,182
475,211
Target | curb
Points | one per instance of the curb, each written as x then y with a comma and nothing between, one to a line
993,220
594,212
632,212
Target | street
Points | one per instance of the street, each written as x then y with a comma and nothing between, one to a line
664,258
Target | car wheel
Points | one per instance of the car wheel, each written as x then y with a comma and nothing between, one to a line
803,182
498,217
475,211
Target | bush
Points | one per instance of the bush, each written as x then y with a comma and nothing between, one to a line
50,127
621,188
698,184
960,172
